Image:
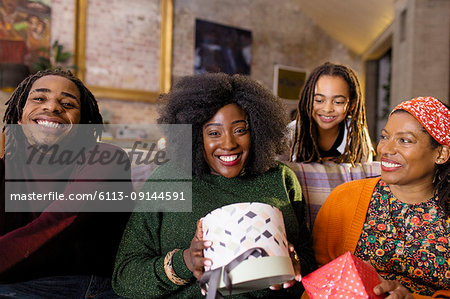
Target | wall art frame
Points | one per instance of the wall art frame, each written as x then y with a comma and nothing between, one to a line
165,51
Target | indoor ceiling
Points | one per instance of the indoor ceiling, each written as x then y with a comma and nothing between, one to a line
355,23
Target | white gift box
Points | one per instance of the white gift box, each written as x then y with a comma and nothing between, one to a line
254,229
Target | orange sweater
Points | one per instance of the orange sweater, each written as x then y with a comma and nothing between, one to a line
340,221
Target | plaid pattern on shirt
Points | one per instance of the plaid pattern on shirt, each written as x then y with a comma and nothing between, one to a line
319,179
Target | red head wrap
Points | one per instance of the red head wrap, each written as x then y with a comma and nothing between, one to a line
432,114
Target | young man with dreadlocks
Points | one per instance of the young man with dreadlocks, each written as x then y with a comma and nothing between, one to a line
60,250
331,118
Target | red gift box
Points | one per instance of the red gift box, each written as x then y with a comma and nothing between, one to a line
344,277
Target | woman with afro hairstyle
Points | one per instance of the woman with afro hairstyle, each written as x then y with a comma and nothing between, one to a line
238,128
331,118
57,251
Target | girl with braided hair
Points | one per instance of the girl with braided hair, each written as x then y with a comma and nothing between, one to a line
331,118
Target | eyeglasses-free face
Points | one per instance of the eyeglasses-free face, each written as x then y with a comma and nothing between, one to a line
226,141
331,102
406,155
52,107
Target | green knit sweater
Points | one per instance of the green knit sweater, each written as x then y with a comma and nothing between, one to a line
139,270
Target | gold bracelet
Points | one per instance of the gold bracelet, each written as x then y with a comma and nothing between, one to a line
169,269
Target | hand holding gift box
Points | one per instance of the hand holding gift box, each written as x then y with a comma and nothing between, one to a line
249,248
344,277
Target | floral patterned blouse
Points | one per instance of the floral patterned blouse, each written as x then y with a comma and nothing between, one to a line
408,243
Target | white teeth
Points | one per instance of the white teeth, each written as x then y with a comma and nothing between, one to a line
390,165
228,158
327,117
48,124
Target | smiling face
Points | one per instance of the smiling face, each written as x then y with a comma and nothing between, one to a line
226,141
331,102
407,157
52,107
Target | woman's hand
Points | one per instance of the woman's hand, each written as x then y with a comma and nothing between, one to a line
193,256
296,265
394,288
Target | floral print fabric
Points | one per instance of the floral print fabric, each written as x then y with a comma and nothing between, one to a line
408,243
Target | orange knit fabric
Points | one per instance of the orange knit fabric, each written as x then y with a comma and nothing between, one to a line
340,221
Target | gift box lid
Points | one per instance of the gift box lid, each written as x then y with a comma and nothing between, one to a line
257,274
344,277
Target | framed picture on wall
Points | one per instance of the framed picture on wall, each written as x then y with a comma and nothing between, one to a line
24,39
24,31
220,48
287,84
129,58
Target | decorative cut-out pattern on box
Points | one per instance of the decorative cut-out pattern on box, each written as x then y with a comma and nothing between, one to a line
235,228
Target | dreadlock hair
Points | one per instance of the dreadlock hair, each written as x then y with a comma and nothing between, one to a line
305,146
89,111
196,99
441,175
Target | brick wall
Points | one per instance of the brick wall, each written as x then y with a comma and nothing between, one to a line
281,34
110,60
122,44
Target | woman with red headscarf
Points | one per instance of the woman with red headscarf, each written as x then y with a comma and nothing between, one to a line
399,223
